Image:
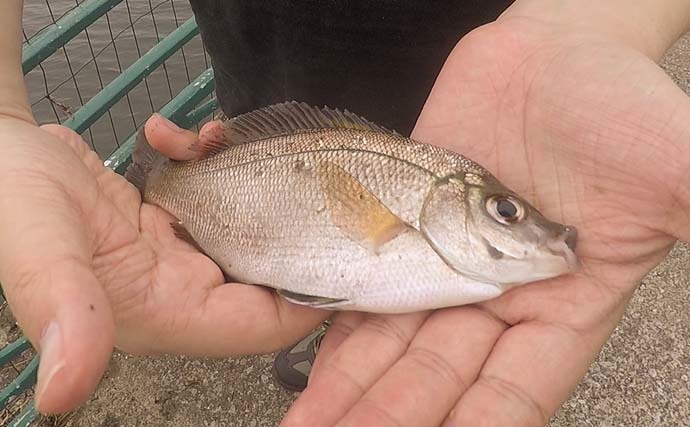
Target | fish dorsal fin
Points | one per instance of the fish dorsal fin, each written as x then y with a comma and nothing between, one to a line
283,119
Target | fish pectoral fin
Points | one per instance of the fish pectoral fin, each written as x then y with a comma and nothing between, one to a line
312,300
181,233
356,211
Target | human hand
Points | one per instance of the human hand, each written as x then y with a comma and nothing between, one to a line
592,132
86,266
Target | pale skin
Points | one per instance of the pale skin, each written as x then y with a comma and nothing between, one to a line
567,109
80,251
596,135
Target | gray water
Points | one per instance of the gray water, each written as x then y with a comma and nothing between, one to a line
152,19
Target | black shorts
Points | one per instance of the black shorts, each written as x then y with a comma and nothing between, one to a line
376,58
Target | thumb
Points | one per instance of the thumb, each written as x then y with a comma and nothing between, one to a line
45,268
175,142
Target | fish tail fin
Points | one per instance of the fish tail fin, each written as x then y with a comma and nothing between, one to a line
144,159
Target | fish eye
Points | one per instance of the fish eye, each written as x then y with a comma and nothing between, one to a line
505,209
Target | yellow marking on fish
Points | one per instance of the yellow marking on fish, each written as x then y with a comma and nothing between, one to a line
355,210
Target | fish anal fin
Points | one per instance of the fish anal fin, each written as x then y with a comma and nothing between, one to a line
280,119
312,300
183,234
356,211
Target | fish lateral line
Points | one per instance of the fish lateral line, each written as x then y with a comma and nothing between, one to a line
271,157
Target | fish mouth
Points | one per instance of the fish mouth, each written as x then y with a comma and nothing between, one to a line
570,236
564,247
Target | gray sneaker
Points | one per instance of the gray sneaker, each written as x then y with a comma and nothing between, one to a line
292,366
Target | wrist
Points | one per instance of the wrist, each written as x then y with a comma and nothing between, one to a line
649,26
14,101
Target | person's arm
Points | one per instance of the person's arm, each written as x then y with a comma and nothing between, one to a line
650,26
85,266
14,102
560,99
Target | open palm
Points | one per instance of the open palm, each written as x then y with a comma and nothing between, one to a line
168,297
91,267
594,135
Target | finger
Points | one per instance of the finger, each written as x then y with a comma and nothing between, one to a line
52,291
349,372
442,361
235,319
169,139
531,371
342,326
213,132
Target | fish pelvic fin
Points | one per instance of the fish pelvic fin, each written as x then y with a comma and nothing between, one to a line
282,119
183,234
144,159
357,212
313,300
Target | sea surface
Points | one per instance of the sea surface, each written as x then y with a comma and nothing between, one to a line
71,76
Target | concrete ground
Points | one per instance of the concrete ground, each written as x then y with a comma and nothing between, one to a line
639,379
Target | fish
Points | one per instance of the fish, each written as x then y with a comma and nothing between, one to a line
336,212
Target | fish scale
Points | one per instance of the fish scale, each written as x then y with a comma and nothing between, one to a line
342,214
286,224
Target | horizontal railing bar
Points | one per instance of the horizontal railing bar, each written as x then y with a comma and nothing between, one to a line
175,110
24,380
199,113
11,351
56,35
26,417
133,75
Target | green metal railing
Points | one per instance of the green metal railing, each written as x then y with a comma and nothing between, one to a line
126,81
179,110
52,38
185,109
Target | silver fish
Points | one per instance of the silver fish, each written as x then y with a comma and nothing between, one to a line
336,212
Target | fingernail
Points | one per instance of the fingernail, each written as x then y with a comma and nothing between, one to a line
166,123
51,359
